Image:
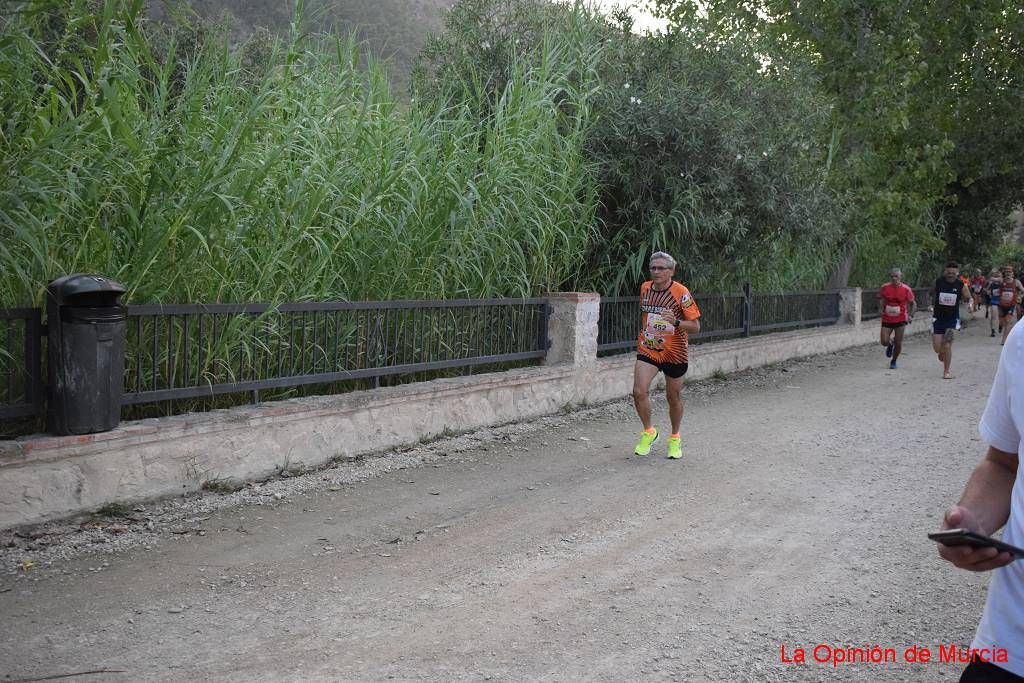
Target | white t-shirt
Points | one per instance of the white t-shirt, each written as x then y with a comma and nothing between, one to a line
1002,426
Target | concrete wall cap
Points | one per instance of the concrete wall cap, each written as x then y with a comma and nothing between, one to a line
574,296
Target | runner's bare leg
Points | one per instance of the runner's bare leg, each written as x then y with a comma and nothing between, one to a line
674,394
643,375
897,344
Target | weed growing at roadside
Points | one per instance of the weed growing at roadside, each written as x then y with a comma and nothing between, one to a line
114,510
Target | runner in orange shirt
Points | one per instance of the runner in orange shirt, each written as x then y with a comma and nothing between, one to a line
669,316
1009,297
967,283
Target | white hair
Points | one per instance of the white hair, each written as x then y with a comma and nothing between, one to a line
664,257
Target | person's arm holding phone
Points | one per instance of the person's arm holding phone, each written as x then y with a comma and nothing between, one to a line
985,504
984,508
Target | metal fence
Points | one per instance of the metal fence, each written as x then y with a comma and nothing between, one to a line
923,297
190,351
722,316
774,312
199,351
870,307
194,351
21,367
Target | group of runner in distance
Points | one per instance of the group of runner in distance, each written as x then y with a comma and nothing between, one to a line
999,296
669,315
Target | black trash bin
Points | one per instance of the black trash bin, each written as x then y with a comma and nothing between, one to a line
86,340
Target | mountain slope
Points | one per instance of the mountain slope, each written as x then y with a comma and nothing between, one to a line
394,30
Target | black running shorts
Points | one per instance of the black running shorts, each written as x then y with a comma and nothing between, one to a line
673,370
985,672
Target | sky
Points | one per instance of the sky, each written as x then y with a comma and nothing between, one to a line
644,20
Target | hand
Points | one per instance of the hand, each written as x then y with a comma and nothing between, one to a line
669,316
966,557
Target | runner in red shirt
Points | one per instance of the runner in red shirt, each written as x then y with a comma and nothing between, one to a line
978,283
896,301
1009,297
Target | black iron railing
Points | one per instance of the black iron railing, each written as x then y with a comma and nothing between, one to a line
870,307
21,367
191,351
722,316
618,324
774,312
197,351
923,297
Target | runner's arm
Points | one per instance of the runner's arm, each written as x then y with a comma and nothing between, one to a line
987,493
985,508
691,326
679,321
986,502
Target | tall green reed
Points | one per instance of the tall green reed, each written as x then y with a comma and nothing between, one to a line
193,173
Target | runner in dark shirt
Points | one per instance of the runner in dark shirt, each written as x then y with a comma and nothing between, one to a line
995,285
947,295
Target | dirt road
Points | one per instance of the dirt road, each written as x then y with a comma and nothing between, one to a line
545,552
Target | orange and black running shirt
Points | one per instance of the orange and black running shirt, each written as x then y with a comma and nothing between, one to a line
659,340
1008,294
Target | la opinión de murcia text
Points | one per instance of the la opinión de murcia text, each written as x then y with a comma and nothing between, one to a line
841,655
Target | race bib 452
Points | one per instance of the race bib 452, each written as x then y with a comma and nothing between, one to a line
658,327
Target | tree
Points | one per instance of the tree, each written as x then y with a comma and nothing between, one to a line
923,93
697,149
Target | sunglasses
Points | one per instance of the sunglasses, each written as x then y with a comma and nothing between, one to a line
659,268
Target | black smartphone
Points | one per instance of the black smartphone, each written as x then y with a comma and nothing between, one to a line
955,537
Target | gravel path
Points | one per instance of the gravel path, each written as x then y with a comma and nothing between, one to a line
544,552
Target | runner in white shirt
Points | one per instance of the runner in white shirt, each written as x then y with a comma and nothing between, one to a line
994,498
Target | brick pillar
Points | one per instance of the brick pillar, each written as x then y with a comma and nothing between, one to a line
572,328
849,305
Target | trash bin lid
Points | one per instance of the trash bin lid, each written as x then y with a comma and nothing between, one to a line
82,283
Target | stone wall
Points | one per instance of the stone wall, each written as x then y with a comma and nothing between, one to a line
46,477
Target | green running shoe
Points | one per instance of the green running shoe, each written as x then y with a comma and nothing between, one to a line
675,447
647,439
